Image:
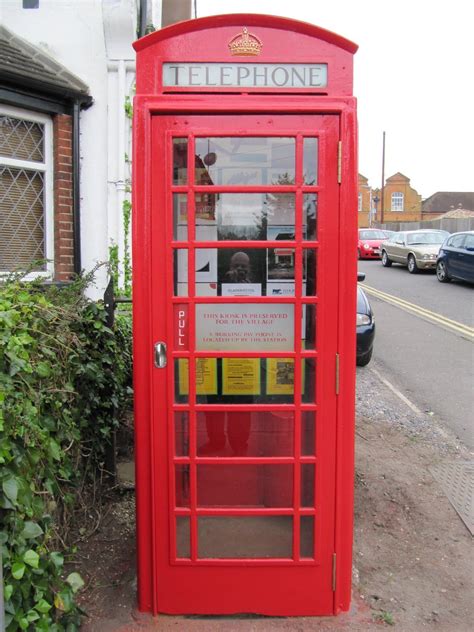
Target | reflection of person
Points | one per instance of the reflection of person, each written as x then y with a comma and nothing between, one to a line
239,271
238,431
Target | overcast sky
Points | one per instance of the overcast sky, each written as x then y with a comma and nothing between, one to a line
414,79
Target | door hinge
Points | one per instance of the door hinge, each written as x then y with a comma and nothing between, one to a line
339,162
337,374
334,569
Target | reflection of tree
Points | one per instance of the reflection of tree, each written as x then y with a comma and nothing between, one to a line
283,179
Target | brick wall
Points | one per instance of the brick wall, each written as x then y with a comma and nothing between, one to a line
63,198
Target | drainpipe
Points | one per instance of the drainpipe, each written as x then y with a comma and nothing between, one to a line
76,189
143,18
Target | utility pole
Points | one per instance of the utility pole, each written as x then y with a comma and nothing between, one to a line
382,207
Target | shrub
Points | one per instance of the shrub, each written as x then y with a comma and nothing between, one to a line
64,380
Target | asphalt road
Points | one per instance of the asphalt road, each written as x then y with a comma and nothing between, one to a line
424,342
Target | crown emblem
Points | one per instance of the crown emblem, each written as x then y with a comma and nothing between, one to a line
245,43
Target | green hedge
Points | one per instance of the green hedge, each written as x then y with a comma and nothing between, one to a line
65,379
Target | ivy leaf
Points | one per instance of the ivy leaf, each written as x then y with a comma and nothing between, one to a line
7,593
31,558
32,616
54,450
31,530
43,606
43,369
10,489
57,559
18,570
75,581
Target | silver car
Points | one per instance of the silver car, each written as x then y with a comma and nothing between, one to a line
416,249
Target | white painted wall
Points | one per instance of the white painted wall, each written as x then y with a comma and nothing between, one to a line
93,39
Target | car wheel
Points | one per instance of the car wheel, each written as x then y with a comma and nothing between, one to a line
365,359
358,254
442,273
385,260
412,267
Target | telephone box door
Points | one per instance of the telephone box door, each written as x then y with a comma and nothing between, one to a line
244,230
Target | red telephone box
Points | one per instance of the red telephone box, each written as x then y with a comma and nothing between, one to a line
245,198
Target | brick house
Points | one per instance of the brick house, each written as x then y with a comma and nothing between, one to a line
67,71
401,203
40,101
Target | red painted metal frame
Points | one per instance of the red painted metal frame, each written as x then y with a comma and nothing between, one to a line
187,42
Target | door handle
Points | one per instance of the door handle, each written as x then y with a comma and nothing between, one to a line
160,355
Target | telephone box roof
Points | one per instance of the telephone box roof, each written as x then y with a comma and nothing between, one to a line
249,20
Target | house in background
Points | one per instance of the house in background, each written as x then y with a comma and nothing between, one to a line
401,203
67,71
448,202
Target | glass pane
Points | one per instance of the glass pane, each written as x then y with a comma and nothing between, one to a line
245,433
310,161
245,485
183,548
307,536
245,327
309,326
308,380
181,433
245,537
181,380
180,272
310,274
307,485
180,216
250,380
21,139
182,485
310,216
245,161
180,161
308,433
245,216
22,218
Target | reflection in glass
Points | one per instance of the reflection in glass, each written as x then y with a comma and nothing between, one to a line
180,216
256,485
245,433
181,474
308,433
310,214
181,381
307,484
307,536
309,326
180,272
181,433
183,548
245,161
309,380
310,268
245,537
310,161
180,161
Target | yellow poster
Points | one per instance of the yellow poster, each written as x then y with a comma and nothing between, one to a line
241,376
281,376
206,376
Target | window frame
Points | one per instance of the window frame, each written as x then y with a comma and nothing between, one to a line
47,168
399,196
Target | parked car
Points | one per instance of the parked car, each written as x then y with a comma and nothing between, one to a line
456,258
416,249
369,243
365,326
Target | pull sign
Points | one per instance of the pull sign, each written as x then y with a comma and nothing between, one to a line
181,337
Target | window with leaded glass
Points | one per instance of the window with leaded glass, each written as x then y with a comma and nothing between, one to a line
397,201
25,190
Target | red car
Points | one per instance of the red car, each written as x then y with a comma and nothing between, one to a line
369,243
